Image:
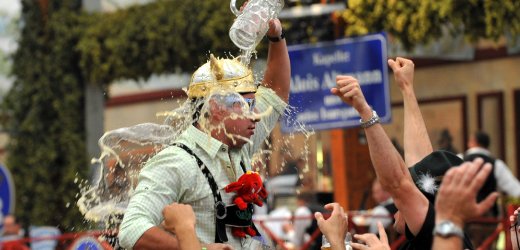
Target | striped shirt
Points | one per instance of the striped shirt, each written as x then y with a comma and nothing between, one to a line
173,175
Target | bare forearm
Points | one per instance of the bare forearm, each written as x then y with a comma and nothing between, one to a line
417,144
278,73
188,239
156,238
337,246
394,176
388,164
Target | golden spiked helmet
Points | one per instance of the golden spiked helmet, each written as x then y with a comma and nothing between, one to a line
225,74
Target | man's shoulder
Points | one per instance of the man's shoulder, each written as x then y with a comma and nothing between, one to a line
172,156
302,210
173,150
473,153
478,152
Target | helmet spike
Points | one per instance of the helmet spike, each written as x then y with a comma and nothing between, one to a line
216,68
222,74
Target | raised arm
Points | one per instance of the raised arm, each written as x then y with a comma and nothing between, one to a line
417,144
388,164
278,73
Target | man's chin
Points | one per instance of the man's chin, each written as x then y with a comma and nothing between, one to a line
239,143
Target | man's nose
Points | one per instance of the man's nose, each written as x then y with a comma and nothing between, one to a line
255,118
254,115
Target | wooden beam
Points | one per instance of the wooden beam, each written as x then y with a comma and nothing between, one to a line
339,164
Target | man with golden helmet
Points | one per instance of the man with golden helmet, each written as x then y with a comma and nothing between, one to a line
213,151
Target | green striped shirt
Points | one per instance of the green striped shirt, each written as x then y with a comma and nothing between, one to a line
174,176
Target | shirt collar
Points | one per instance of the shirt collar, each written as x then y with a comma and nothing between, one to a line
205,141
387,201
478,150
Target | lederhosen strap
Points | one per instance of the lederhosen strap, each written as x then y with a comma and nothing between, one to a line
214,189
221,209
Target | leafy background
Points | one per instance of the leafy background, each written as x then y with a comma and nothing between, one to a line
62,49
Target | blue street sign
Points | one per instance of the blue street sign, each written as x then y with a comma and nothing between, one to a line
6,194
313,73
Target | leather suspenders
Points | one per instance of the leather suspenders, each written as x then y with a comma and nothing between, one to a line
220,206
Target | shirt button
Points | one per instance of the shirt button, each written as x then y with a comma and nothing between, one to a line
223,149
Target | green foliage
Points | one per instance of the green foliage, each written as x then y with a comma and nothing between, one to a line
161,37
63,49
11,30
415,22
46,121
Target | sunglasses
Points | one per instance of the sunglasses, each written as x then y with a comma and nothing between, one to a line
236,102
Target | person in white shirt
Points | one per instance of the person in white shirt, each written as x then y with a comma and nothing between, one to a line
501,180
279,223
506,182
304,223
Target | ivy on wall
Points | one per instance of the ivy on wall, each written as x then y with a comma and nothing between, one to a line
63,48
417,22
164,36
45,109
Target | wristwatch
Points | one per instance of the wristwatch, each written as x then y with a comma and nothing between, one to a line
373,120
277,38
447,228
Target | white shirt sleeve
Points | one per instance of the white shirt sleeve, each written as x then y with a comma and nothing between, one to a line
506,181
266,98
379,213
301,224
157,187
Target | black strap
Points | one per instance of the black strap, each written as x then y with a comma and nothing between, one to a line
220,207
277,38
243,166
211,181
